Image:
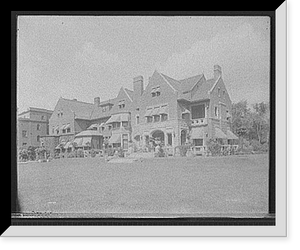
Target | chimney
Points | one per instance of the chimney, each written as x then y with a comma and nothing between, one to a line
217,71
138,87
97,101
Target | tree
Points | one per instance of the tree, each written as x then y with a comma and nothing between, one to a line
261,121
241,119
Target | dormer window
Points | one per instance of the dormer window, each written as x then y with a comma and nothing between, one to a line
121,104
155,91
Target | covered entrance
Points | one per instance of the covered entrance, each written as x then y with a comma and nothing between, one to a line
183,137
158,137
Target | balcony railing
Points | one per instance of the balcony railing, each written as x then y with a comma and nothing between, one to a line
200,121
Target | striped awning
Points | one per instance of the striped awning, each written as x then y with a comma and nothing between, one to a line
78,141
86,141
231,136
113,118
115,138
124,117
219,134
197,133
93,126
68,145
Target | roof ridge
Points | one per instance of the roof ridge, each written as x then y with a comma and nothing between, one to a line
190,77
66,99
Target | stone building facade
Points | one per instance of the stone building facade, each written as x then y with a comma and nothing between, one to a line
32,125
171,111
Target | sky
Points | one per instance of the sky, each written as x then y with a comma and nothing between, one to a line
84,57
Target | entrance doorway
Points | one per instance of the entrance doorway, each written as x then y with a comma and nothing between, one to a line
183,137
158,137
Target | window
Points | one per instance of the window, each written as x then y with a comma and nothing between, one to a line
104,109
24,143
68,130
24,133
198,111
116,125
156,118
158,91
38,138
224,92
216,112
149,119
219,92
42,117
137,119
198,142
121,104
185,116
164,117
63,131
38,127
169,139
52,130
125,141
125,124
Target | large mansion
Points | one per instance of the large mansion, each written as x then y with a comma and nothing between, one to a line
192,110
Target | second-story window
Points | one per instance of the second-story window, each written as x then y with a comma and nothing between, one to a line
24,133
164,117
156,118
121,104
42,117
125,124
137,119
198,111
38,127
149,119
216,112
68,130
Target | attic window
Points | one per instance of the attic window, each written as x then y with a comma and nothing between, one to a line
155,91
219,92
121,104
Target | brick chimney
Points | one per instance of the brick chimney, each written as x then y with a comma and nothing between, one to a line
138,87
217,71
97,101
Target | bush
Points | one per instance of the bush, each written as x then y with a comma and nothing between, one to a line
214,147
183,149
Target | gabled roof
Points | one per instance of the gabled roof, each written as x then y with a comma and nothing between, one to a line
129,93
188,83
82,110
174,83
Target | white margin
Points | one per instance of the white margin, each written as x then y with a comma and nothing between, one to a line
281,174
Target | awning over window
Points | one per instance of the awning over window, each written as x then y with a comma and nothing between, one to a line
114,118
197,133
86,141
219,134
115,138
124,117
231,136
93,126
78,141
62,127
163,110
68,145
67,126
148,112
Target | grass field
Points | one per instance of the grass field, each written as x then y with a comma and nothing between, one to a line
173,186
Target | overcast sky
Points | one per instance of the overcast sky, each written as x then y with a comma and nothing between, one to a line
83,56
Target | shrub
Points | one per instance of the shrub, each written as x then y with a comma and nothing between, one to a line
183,149
214,147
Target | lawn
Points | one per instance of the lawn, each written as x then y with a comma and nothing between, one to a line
199,186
